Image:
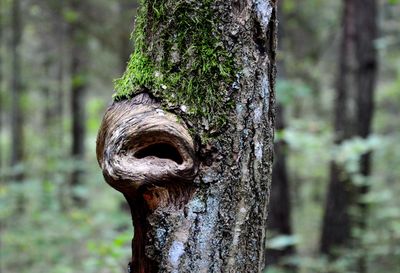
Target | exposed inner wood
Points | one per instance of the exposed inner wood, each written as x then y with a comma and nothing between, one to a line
148,155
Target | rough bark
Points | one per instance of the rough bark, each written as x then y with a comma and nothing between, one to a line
355,87
78,74
199,204
17,150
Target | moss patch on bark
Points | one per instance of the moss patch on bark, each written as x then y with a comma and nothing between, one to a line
179,58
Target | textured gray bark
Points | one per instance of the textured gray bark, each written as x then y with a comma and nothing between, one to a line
219,223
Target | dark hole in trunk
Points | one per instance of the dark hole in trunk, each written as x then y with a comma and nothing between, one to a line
160,150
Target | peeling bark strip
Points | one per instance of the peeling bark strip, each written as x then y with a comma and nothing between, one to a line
199,204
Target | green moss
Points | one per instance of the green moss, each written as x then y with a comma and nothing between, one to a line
179,58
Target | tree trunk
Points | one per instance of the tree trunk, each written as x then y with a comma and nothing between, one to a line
189,138
17,151
355,86
336,229
1,85
48,124
279,218
59,105
126,11
366,82
78,72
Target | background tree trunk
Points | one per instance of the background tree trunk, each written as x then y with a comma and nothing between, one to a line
126,12
355,86
61,95
59,105
78,74
366,81
1,82
223,55
48,123
279,216
17,150
336,229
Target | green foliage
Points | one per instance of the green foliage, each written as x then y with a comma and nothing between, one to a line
349,152
289,91
282,241
275,269
194,71
66,240
71,16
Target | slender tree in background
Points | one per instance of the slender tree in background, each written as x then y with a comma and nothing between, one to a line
336,229
51,30
48,115
52,39
355,86
126,12
78,73
197,185
279,217
17,146
48,119
367,60
60,34
1,81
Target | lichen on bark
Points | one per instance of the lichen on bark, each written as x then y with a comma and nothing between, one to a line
179,58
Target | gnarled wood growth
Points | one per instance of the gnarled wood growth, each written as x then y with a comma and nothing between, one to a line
188,140
148,155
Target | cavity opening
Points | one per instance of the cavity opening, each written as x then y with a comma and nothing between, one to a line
160,150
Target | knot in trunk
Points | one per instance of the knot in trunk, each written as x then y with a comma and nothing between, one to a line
140,146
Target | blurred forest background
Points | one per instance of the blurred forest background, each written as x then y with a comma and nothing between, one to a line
58,60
